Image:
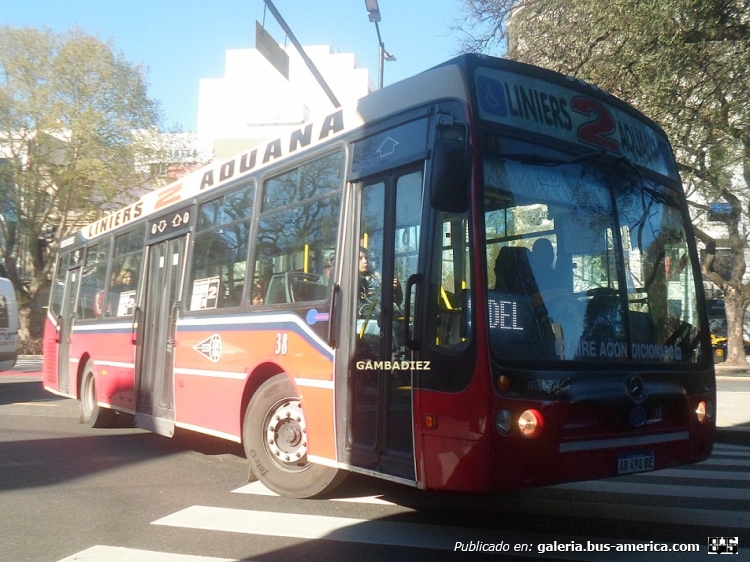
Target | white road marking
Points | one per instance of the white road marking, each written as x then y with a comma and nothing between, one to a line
101,553
258,489
390,533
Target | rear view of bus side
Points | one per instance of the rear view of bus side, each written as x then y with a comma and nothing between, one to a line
478,279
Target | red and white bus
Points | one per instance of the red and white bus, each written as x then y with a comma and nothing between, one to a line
542,317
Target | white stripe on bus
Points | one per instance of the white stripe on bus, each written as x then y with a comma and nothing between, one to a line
207,431
238,375
314,383
114,364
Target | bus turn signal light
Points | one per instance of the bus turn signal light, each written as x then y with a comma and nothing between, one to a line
530,423
502,383
430,421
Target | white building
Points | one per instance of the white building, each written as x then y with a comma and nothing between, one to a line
253,102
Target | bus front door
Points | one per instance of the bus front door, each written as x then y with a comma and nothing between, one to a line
380,428
157,317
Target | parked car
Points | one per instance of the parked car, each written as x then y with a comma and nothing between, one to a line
717,321
8,325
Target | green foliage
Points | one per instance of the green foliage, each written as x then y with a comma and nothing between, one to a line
69,104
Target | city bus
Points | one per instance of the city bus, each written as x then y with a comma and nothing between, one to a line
481,278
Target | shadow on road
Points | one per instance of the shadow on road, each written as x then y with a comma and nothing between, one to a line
49,445
13,392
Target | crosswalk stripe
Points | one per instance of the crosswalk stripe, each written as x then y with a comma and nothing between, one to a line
730,454
258,489
723,462
730,447
388,533
672,490
120,554
699,474
628,512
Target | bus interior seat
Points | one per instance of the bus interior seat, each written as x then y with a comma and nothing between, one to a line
295,286
276,290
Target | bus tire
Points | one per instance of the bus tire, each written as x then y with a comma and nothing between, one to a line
275,441
92,414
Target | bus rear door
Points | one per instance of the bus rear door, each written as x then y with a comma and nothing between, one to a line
157,317
66,320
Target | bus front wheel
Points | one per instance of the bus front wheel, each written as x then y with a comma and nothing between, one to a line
274,434
92,414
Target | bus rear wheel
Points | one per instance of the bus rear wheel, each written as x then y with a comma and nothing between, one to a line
92,414
274,434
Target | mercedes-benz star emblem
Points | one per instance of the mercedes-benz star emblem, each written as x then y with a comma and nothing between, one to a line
635,387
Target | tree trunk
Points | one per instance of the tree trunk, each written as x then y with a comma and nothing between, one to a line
24,322
735,312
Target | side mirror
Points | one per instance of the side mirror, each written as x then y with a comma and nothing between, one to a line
450,176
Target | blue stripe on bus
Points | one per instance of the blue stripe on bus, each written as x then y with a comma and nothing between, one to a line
287,321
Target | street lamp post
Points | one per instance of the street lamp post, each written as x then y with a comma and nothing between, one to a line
373,11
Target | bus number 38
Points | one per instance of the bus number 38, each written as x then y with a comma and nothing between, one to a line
282,344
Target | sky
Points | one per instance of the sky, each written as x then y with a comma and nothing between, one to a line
182,41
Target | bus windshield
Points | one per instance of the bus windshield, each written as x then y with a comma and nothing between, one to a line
587,261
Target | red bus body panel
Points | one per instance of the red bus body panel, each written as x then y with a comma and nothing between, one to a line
209,394
467,453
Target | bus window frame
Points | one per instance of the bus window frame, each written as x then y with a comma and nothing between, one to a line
344,149
259,179
107,239
195,204
140,277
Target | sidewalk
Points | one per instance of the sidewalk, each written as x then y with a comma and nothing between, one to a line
733,406
730,370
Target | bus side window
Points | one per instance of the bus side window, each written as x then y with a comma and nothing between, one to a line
450,289
122,288
220,250
58,285
93,282
298,229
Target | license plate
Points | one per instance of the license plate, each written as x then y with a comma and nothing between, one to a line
635,462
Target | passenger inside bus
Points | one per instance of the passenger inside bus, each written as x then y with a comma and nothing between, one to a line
126,281
370,285
122,295
257,296
542,258
518,315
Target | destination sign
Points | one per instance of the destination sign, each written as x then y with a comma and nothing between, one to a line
569,115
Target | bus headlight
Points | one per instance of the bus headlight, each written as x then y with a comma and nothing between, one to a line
530,423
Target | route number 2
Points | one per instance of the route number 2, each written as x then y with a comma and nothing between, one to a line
597,131
282,344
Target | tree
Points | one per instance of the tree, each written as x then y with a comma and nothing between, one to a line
685,64
69,104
